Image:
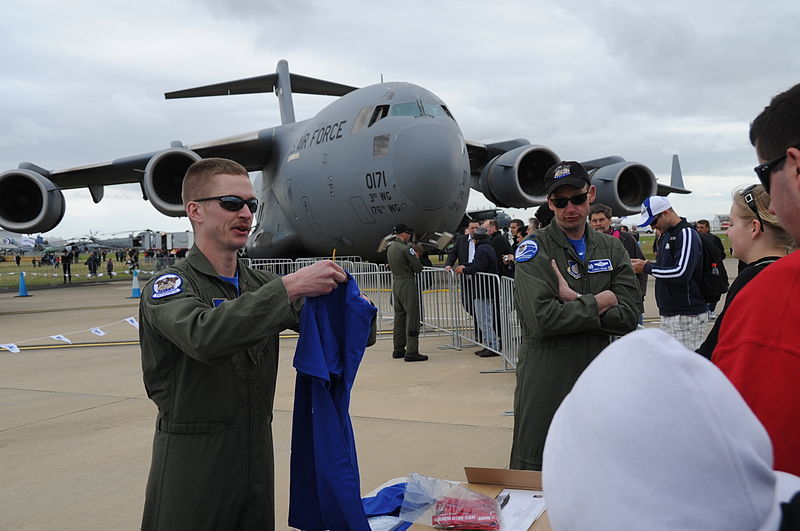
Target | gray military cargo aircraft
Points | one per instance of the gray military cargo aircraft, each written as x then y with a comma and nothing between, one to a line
376,156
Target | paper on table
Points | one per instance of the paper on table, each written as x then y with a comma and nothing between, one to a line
522,509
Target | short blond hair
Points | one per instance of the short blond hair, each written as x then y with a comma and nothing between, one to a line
203,172
769,221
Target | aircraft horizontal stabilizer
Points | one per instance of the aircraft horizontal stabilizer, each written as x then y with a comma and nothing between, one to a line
265,83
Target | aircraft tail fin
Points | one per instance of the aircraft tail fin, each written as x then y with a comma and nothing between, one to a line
676,181
282,83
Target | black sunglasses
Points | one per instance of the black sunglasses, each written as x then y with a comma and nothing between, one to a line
655,219
234,203
749,198
764,171
561,202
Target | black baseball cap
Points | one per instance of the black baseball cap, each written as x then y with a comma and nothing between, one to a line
401,228
566,173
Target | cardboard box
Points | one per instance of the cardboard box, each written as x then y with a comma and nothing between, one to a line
490,481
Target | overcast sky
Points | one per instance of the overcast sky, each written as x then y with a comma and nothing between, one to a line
83,82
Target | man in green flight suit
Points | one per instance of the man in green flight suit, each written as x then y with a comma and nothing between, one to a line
404,262
574,288
208,331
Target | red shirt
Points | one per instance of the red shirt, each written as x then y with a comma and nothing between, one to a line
759,351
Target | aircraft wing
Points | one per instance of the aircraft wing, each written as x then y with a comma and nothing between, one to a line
251,150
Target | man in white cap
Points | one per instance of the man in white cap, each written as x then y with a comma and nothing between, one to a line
683,310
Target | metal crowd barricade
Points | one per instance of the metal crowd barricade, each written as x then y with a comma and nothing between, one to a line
486,315
438,304
377,286
509,323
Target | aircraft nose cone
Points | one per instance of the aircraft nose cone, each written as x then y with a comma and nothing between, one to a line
429,161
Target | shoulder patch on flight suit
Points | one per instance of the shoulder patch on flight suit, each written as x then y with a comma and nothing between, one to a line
526,250
411,251
597,266
167,285
572,269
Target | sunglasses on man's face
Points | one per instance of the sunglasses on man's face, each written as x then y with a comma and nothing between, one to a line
234,203
655,220
764,171
561,202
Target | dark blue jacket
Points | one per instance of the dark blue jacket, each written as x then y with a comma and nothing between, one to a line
680,257
325,491
485,259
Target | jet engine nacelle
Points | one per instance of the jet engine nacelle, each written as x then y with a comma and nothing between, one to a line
29,202
623,186
516,178
163,177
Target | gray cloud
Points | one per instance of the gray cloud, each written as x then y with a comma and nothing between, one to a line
83,83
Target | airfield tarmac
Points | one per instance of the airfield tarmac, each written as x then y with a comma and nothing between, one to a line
76,425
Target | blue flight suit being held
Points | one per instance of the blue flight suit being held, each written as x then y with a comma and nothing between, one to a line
325,491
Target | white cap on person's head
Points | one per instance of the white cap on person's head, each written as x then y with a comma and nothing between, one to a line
653,436
652,207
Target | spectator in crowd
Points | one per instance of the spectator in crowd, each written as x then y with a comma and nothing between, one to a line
66,265
653,437
463,252
484,294
757,238
543,215
499,243
684,312
759,342
704,227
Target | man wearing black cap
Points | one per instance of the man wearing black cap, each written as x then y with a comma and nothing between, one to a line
404,263
574,289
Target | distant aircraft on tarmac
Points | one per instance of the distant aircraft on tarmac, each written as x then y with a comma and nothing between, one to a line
379,155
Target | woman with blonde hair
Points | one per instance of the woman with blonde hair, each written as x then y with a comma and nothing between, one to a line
757,238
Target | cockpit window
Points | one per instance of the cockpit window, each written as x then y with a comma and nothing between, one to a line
405,109
362,119
380,112
436,110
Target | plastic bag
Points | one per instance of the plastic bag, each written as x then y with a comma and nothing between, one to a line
447,505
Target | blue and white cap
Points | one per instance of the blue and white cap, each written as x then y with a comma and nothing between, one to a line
652,207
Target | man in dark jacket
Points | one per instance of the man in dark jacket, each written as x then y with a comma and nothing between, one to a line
704,229
574,289
500,245
485,294
684,312
209,339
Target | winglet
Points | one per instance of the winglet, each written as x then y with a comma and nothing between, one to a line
282,83
676,180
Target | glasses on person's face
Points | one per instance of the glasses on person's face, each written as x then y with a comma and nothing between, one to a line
234,203
561,202
750,200
655,220
764,171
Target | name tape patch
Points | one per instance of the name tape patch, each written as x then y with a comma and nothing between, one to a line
526,250
167,285
597,266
